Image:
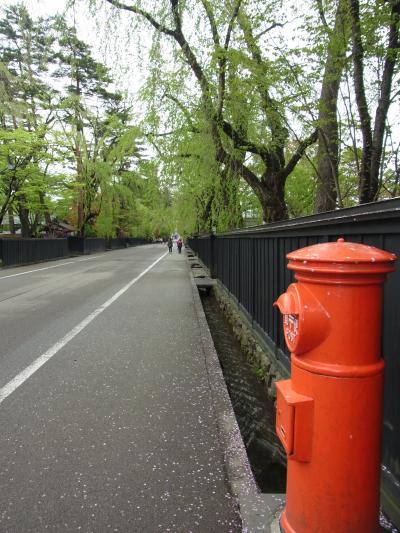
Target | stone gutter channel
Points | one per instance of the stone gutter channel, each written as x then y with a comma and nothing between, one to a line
259,512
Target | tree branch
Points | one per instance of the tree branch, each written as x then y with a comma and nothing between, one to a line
211,20
134,9
238,167
223,59
176,15
274,25
244,144
184,110
278,132
229,30
167,133
284,173
188,155
322,14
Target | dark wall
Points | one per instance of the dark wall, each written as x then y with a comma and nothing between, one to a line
15,251
25,251
80,245
251,264
125,242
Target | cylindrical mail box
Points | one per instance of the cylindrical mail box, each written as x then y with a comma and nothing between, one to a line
329,414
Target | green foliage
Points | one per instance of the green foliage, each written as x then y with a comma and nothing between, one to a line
300,190
72,154
348,176
226,106
265,85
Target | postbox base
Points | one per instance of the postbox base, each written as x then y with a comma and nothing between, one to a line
284,524
337,489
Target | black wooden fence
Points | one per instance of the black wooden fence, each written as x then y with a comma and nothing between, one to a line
136,241
15,251
124,242
25,251
114,244
80,245
251,265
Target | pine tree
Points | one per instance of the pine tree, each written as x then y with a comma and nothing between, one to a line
83,111
27,109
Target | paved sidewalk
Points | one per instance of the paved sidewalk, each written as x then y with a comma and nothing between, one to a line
120,430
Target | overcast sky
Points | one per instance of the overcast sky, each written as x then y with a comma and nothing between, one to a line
43,8
126,62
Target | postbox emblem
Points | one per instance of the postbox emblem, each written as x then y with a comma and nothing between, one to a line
291,325
305,321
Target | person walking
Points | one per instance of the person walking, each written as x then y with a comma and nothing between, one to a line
179,245
170,245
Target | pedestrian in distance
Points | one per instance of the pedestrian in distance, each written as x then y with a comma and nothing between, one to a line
170,245
179,245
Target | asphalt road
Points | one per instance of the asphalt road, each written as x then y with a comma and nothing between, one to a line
105,411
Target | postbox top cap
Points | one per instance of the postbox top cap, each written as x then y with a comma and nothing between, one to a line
343,253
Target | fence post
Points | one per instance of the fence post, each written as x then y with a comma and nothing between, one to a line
213,273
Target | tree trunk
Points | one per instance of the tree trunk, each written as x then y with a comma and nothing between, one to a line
79,158
47,216
206,215
362,104
328,136
273,202
35,225
24,218
81,215
11,221
232,215
81,193
373,141
384,99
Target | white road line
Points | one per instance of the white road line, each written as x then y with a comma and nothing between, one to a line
20,378
47,268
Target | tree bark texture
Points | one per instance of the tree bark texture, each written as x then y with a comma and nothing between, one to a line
373,139
328,135
11,221
23,212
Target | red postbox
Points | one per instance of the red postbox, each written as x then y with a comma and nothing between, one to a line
329,414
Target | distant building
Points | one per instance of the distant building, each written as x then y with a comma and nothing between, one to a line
54,229
59,229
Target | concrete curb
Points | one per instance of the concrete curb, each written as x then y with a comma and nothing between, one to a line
258,511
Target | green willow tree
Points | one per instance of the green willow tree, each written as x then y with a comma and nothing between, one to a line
250,144
187,156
